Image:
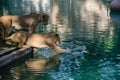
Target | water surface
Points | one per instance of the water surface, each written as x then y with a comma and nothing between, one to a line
87,28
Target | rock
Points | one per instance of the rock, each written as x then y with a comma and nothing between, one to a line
115,5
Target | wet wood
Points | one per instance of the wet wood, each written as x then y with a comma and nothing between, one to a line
16,54
7,50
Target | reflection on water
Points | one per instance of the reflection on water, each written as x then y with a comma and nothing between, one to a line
87,28
24,6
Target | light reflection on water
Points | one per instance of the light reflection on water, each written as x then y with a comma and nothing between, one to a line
87,28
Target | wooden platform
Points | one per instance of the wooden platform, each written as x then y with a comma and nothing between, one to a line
10,54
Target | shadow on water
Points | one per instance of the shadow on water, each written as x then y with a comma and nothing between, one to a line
115,16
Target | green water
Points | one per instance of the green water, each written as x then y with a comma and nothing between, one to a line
87,28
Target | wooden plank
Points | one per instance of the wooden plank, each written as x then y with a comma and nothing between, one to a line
5,51
14,55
